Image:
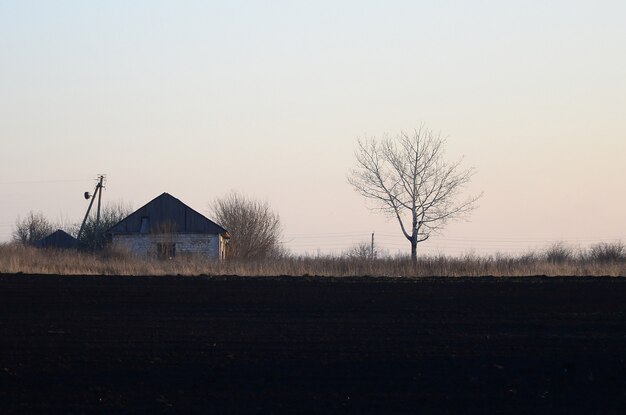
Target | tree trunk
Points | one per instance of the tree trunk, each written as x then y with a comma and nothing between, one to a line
414,251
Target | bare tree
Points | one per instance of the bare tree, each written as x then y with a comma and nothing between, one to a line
32,228
409,179
255,230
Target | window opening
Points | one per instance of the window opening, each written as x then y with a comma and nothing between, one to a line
166,250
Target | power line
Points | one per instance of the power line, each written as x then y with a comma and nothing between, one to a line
461,240
320,235
510,239
399,235
337,242
48,181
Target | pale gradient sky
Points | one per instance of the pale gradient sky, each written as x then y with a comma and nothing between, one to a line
197,98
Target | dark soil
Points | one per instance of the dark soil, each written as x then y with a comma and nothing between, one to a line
312,345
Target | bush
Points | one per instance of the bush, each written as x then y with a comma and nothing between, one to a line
607,252
360,251
558,253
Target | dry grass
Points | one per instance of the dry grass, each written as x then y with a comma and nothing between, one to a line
14,259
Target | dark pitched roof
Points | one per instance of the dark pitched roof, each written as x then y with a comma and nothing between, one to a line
58,239
166,210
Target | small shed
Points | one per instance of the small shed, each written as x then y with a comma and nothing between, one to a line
165,228
59,240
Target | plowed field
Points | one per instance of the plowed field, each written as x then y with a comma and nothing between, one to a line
312,345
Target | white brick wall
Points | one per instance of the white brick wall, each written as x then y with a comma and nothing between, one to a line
146,244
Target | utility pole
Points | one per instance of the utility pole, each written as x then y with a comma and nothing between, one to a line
99,187
372,248
98,192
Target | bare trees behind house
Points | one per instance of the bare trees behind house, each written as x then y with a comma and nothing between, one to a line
35,226
93,234
408,179
254,228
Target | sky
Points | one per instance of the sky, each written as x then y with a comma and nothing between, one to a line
268,98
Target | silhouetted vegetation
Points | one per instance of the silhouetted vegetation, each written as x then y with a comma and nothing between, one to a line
32,228
607,252
254,228
94,236
361,251
408,178
16,258
35,226
559,253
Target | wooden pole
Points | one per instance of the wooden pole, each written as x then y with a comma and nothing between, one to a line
99,190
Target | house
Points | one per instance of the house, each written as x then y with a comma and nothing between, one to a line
166,227
58,240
